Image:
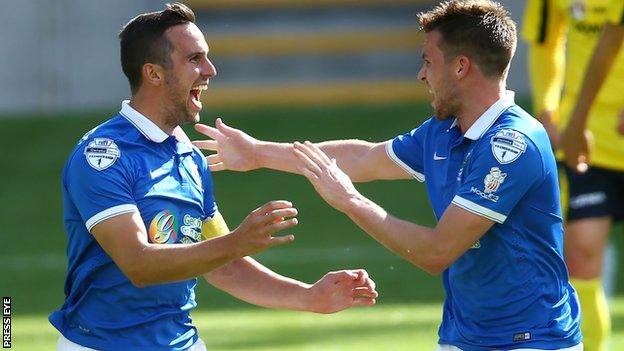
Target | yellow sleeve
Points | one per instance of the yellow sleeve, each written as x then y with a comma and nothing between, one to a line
544,30
616,13
214,226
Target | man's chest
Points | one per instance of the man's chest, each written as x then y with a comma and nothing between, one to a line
446,160
169,193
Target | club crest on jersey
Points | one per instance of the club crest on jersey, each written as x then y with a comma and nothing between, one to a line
493,180
508,145
101,153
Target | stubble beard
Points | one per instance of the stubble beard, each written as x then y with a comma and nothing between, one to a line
176,111
447,106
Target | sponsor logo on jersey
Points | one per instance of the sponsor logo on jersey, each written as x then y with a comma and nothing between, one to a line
191,230
101,153
481,193
162,229
508,145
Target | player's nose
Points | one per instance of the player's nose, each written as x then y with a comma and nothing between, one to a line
422,75
208,69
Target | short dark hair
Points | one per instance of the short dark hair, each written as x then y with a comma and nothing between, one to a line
480,29
143,40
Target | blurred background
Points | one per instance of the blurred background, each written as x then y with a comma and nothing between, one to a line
63,55
287,70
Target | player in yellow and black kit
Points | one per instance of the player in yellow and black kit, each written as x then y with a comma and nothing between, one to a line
577,68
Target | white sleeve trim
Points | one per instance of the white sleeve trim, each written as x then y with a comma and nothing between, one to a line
478,209
417,175
109,213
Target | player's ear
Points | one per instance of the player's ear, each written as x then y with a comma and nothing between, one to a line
462,66
153,74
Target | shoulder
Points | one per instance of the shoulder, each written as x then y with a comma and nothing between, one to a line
518,119
429,126
517,136
108,144
436,124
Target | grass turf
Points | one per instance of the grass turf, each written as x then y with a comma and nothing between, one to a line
399,327
33,250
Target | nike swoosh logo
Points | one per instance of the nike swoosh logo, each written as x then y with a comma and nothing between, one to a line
438,158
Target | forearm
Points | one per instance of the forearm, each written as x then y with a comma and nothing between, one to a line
277,156
349,154
352,156
597,71
124,238
250,281
155,263
415,243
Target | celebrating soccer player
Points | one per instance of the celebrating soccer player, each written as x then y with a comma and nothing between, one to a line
491,178
138,206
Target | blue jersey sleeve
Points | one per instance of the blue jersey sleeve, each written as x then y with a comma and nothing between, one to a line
504,166
407,151
98,181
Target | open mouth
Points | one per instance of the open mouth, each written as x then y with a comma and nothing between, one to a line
196,94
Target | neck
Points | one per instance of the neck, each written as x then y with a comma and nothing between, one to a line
149,106
477,100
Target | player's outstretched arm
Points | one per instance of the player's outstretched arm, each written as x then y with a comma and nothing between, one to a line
250,281
238,151
432,249
124,238
576,139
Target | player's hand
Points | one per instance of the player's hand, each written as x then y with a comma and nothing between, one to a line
334,186
547,118
576,143
235,149
340,290
255,233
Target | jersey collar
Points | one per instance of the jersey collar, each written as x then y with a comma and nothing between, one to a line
148,128
485,121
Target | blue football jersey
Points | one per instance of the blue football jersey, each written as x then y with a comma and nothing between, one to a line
511,289
129,164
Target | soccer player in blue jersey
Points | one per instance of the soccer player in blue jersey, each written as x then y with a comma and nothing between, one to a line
491,178
139,206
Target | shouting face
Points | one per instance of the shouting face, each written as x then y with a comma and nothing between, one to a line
437,73
188,75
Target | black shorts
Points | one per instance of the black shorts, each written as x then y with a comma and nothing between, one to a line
598,192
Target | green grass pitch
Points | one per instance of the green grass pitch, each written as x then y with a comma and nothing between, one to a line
32,253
